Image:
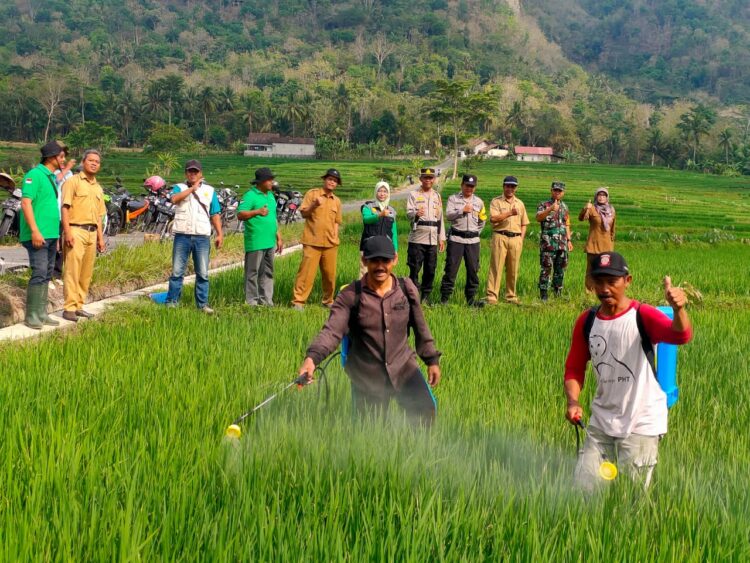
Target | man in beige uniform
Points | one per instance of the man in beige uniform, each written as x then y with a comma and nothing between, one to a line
82,211
320,240
509,221
425,211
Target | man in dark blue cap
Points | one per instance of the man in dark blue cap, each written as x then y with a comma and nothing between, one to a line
262,238
376,312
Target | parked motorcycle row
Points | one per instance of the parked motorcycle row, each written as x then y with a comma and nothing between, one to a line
152,213
288,203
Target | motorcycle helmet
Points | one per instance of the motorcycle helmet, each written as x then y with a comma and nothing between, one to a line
154,183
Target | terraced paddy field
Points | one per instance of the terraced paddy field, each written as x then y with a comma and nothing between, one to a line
112,434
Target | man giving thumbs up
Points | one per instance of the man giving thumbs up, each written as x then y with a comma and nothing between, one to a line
629,409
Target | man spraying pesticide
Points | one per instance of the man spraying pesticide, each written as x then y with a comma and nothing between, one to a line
629,410
376,312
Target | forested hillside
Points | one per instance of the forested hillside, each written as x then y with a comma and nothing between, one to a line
363,77
659,49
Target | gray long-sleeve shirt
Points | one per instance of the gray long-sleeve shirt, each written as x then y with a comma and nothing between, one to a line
379,347
465,222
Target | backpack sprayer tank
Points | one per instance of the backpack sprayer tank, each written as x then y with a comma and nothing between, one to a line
666,365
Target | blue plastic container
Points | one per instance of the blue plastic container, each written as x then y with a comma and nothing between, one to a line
666,365
159,297
344,349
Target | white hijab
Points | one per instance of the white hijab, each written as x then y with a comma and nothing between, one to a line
383,205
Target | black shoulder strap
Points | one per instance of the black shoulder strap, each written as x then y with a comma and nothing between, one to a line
589,322
646,344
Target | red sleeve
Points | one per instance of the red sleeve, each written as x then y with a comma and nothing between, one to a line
659,327
578,355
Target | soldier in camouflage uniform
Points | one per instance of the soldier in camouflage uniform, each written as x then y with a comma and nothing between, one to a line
554,242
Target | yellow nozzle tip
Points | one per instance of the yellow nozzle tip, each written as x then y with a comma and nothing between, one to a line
233,431
608,471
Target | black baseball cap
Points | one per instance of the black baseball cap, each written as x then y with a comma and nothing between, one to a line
558,186
609,264
333,173
379,246
51,149
510,181
469,180
193,165
263,174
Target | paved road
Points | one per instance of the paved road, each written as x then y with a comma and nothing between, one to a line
14,257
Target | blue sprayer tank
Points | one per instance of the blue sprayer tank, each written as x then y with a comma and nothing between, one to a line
666,365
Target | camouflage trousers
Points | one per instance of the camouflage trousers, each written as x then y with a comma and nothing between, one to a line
553,262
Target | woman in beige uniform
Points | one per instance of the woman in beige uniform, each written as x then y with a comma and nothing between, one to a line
601,218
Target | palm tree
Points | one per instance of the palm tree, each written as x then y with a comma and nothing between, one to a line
295,108
225,99
126,109
172,86
695,123
254,106
725,141
207,101
654,143
155,99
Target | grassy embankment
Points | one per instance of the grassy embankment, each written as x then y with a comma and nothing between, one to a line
113,442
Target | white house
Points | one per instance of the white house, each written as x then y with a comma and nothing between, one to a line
537,154
274,145
480,146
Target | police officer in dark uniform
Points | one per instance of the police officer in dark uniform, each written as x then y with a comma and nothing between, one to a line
467,215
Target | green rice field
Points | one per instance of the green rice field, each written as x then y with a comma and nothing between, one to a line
112,442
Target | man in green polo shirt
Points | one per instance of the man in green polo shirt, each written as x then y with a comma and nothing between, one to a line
262,238
40,231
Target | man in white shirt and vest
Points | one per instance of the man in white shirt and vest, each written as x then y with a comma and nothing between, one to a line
196,209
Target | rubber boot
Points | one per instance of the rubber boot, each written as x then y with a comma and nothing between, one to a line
34,295
543,294
43,316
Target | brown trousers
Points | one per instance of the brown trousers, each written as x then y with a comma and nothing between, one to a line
505,253
312,258
78,268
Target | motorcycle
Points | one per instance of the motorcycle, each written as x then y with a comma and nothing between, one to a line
160,210
124,212
10,209
287,205
229,202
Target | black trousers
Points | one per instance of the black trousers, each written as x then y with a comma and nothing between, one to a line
418,255
469,253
